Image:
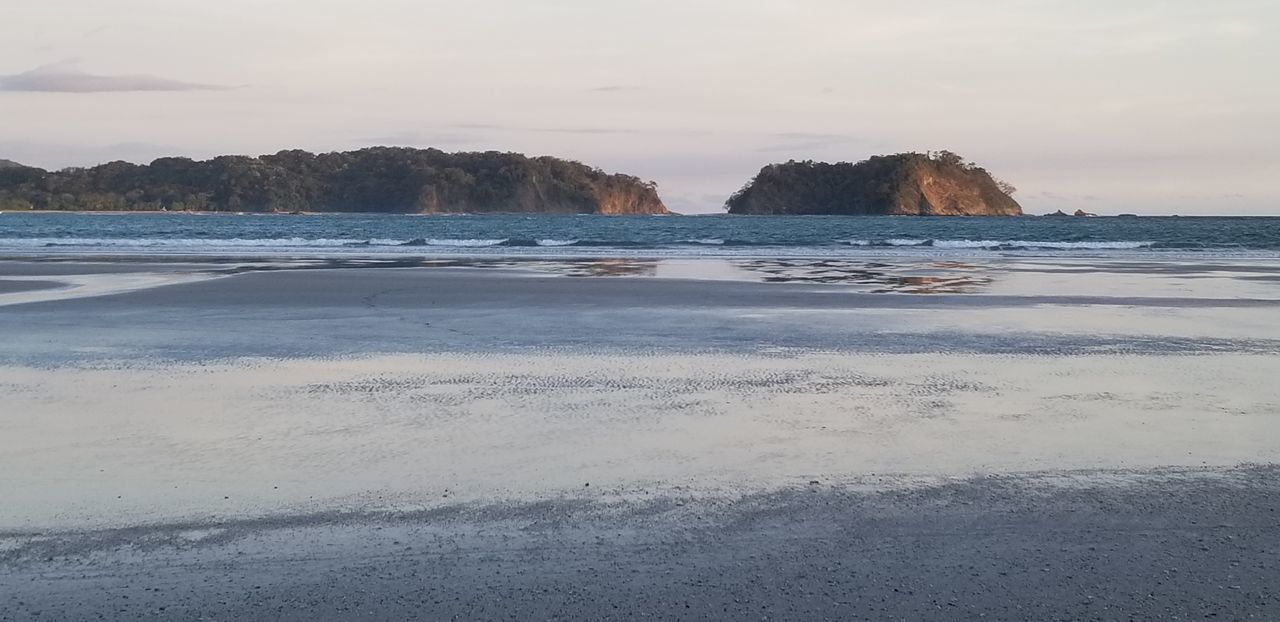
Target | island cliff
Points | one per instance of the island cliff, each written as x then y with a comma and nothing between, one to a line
378,179
915,184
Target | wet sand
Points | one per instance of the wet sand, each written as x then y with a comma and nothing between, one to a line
10,286
1097,441
1154,545
252,438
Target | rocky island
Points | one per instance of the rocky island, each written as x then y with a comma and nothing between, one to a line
378,179
915,184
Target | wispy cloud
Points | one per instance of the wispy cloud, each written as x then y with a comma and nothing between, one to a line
66,78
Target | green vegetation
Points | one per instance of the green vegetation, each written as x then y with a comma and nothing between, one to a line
378,179
935,183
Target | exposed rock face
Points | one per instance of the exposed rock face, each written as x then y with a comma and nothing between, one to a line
910,184
379,179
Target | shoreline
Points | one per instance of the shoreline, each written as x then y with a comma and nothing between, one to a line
1053,216
306,213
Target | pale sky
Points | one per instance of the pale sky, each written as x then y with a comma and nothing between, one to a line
1147,106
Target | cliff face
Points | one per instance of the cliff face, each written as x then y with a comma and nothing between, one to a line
905,184
615,197
379,179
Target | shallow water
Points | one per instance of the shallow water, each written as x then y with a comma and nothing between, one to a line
559,236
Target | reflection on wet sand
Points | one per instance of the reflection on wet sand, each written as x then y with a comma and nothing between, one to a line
876,277
930,278
942,277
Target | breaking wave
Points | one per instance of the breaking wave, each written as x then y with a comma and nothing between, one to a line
320,243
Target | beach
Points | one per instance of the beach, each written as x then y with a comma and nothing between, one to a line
707,310
887,437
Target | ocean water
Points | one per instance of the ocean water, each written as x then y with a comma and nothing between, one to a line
24,234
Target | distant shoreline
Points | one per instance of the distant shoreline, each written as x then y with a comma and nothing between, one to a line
696,214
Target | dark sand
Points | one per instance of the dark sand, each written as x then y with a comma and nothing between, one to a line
324,312
1162,545
1046,542
12,287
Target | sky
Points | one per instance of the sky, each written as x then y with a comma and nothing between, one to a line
1143,106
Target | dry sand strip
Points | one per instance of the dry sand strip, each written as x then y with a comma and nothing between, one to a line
1117,545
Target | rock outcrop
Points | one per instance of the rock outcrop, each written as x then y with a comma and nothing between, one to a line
378,179
914,184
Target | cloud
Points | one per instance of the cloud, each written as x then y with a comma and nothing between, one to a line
65,78
613,88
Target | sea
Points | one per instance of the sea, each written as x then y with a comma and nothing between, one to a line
28,234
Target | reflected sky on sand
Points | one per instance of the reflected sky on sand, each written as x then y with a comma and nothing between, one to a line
874,277
1006,276
858,276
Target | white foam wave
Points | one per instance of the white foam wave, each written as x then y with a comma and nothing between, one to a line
889,242
295,242
464,242
179,242
716,245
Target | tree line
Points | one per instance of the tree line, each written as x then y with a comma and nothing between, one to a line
377,179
